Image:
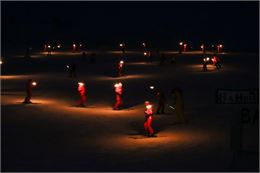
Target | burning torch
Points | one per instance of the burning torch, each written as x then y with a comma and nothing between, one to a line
74,47
219,47
180,47
202,48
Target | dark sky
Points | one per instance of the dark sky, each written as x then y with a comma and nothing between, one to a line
104,24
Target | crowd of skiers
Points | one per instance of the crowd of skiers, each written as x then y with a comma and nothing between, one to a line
176,106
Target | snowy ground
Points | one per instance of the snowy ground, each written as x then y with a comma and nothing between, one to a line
54,135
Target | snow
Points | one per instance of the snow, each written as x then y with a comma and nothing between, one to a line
54,135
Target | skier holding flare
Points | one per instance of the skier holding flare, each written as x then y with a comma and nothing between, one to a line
82,93
118,93
120,68
148,119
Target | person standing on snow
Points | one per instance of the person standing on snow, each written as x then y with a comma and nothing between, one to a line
161,102
29,86
118,93
72,70
179,105
82,92
120,68
148,119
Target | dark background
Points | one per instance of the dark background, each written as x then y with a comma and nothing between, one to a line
105,24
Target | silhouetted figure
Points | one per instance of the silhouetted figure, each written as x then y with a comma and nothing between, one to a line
218,63
120,68
205,64
72,70
83,56
150,57
161,102
29,87
179,105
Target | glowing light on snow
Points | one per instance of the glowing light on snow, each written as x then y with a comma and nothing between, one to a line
34,83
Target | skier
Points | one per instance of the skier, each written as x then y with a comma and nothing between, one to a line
29,86
72,70
74,48
179,106
118,93
218,63
148,119
122,45
81,90
205,64
120,69
161,102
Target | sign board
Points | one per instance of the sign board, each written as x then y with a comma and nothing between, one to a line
224,96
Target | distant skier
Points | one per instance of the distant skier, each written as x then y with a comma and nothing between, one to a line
216,61
30,84
148,119
179,105
82,93
72,70
118,94
205,64
120,68
161,102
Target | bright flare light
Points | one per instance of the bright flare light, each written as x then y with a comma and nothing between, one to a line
121,45
80,83
151,87
74,45
220,45
181,43
1,62
49,46
34,83
68,66
207,58
118,85
58,46
145,53
121,62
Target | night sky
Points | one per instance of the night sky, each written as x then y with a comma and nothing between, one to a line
105,24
